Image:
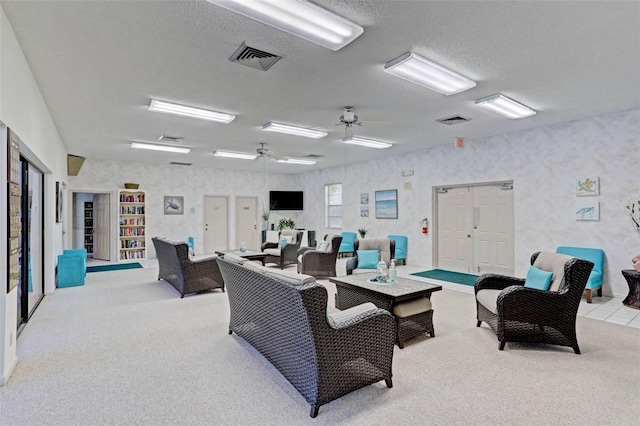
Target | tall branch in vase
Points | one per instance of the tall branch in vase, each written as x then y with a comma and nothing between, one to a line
633,210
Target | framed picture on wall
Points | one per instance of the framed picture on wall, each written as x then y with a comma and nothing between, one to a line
588,186
364,198
587,210
173,204
59,200
364,211
387,204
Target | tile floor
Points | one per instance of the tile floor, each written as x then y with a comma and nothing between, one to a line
608,309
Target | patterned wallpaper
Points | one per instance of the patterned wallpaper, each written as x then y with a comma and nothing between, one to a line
544,164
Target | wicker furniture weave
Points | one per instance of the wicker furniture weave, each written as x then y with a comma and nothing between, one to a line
288,325
530,315
319,264
352,290
185,275
288,254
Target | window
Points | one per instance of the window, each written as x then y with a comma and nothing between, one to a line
333,205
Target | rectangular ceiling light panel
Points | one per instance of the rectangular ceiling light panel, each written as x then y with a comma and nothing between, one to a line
189,111
369,143
231,154
425,73
156,147
505,106
295,161
294,130
300,18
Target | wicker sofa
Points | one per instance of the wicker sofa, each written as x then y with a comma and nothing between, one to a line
284,317
185,275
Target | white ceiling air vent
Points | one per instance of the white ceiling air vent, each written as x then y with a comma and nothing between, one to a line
454,119
177,163
254,58
170,138
313,156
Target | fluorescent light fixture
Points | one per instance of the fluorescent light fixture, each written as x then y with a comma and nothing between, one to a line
295,161
369,143
293,130
231,154
505,106
425,73
188,111
300,18
156,147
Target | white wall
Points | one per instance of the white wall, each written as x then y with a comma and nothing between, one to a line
544,165
191,183
23,109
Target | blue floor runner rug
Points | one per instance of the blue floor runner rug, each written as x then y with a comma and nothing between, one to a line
114,267
454,277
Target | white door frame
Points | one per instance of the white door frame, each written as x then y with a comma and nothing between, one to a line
113,206
434,203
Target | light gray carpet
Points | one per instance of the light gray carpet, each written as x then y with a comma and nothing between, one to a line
125,349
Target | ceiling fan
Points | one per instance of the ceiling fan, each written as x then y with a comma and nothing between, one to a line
265,152
349,118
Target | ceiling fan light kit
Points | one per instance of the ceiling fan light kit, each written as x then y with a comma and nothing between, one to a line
369,143
189,111
293,130
505,106
300,18
158,147
238,155
428,74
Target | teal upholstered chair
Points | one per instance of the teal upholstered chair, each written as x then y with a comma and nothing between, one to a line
82,254
71,270
592,255
191,242
346,246
401,247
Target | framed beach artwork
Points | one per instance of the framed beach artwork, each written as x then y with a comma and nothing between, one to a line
173,204
364,211
60,186
587,210
387,204
364,198
588,186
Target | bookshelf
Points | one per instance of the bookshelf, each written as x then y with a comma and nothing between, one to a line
131,225
88,227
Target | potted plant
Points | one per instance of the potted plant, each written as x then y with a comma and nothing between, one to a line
265,218
362,231
286,223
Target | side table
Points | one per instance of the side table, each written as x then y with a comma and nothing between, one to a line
633,279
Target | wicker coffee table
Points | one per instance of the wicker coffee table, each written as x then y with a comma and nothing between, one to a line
247,254
353,290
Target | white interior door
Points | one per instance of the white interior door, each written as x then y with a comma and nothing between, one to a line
247,222
475,229
102,226
216,223
455,229
493,229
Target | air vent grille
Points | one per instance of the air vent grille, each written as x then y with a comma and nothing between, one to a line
170,138
314,156
254,58
455,119
177,163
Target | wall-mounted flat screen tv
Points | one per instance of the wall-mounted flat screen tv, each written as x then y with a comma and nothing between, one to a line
286,200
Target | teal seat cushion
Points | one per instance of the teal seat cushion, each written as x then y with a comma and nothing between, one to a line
401,246
539,279
594,255
368,259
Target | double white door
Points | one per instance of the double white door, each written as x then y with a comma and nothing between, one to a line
475,229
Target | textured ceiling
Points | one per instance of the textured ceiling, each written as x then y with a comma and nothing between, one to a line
99,62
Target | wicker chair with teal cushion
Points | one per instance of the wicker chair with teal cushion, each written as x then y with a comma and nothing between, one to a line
401,247
594,255
346,246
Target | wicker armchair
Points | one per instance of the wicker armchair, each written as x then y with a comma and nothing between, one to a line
324,357
287,254
185,275
521,314
319,264
386,247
